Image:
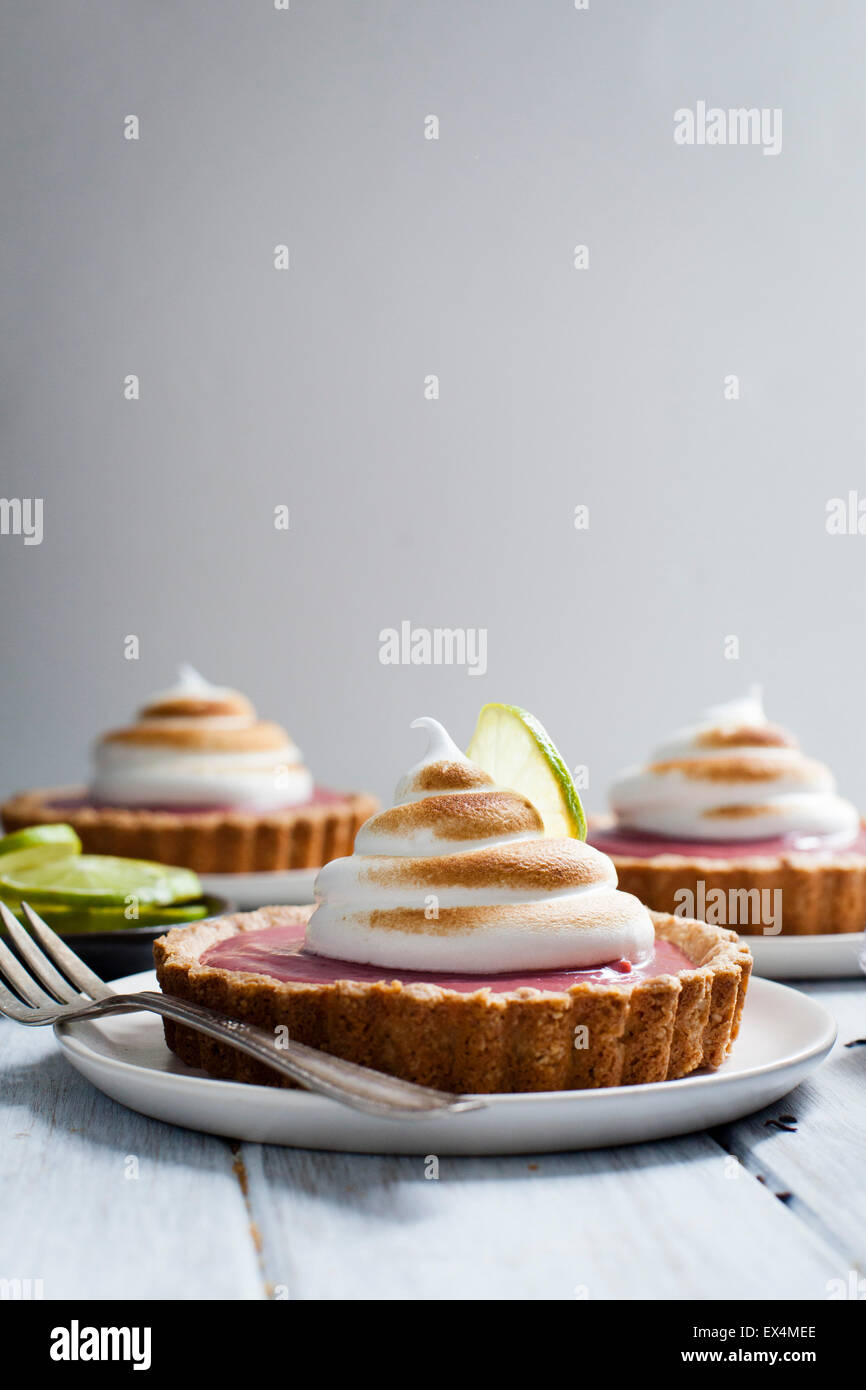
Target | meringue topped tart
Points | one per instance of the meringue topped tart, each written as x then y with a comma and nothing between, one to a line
732,798
461,947
199,779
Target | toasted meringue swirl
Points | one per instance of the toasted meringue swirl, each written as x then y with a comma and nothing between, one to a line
732,776
457,876
199,745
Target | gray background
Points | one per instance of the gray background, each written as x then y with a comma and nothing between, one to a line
411,257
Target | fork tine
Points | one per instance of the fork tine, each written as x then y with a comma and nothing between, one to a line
21,980
63,956
11,1006
36,959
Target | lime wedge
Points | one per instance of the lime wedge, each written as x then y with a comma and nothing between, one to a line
93,880
52,841
516,751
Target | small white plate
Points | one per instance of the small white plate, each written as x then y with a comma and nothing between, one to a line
807,957
293,886
784,1035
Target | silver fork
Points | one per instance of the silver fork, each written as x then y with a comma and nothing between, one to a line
44,995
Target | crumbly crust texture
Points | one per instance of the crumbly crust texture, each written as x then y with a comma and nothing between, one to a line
820,895
595,1034
210,842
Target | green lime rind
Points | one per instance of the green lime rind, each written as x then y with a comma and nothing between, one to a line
54,841
516,750
94,880
557,762
74,921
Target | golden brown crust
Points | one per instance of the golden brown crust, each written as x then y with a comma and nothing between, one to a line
210,842
819,896
593,1035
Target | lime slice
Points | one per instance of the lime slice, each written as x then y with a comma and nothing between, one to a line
517,752
52,841
93,880
78,920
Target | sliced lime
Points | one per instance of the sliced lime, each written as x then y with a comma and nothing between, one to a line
94,880
51,841
77,920
516,751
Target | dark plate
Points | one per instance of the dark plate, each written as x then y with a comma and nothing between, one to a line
128,950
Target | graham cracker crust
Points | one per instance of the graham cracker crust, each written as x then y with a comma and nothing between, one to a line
210,842
819,896
525,1040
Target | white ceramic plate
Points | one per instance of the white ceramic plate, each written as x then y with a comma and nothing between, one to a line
807,957
784,1035
294,886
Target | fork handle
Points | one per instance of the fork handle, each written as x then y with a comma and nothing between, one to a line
373,1092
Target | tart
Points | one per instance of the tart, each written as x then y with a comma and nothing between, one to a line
461,948
484,1035
730,822
199,780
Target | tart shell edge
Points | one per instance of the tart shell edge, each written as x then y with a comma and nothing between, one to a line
593,1035
210,842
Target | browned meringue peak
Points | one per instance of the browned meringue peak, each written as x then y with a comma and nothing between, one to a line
746,736
738,813
733,775
203,738
789,765
458,876
456,816
200,745
230,704
203,718
444,803
615,909
444,775
523,866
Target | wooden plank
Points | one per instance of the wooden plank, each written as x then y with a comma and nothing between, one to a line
820,1159
667,1220
71,1217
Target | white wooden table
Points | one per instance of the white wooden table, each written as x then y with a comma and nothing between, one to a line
99,1202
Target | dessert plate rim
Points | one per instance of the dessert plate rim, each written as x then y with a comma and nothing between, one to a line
126,1058
819,956
294,887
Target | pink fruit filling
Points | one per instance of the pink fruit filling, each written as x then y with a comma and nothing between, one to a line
635,844
280,953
